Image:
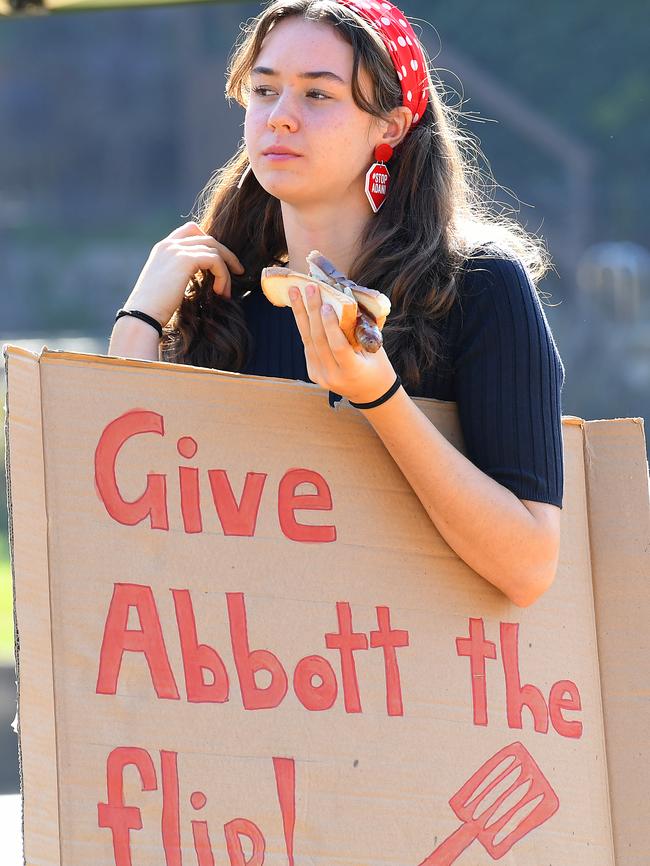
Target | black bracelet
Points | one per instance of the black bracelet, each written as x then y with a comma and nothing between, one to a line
393,388
140,315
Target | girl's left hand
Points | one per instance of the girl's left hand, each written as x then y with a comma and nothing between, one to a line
332,363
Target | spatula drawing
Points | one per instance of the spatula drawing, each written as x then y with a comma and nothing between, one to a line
479,821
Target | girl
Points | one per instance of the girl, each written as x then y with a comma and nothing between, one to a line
330,88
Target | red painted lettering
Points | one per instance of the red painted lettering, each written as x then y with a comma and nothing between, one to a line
315,697
188,481
237,519
148,639
249,662
171,814
202,844
477,649
390,639
557,702
200,834
120,819
518,696
347,641
197,657
153,502
206,676
114,814
563,695
289,502
234,830
285,782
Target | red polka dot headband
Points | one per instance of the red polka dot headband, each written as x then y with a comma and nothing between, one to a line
404,49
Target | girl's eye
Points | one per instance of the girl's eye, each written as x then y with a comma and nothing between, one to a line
261,87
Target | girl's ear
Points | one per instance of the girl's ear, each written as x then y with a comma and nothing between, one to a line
397,125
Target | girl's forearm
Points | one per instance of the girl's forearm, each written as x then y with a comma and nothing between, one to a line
481,520
133,338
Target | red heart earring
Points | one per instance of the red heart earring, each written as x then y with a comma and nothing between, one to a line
378,177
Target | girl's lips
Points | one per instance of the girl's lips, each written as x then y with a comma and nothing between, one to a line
278,156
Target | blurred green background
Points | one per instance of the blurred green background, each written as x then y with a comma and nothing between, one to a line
112,122
6,607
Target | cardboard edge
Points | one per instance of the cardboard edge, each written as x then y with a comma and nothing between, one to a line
59,355
62,355
574,421
619,526
17,351
28,552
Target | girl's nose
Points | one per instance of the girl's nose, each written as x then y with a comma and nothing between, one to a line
283,114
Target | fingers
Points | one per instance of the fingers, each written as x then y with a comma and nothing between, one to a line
207,260
320,330
316,325
336,338
227,255
221,286
300,314
190,233
188,228
207,254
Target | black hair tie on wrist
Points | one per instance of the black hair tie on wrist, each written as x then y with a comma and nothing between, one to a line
393,388
145,317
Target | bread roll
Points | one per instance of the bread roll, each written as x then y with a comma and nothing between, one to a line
361,311
276,283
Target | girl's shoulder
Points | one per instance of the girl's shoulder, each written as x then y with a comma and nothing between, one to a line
500,313
493,281
490,266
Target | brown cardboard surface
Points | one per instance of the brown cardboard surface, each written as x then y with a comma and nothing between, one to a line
30,567
367,774
620,543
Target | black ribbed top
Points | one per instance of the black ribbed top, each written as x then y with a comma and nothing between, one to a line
502,369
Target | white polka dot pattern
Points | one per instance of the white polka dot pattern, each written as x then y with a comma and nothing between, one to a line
402,45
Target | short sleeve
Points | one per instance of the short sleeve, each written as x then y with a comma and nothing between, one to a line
508,381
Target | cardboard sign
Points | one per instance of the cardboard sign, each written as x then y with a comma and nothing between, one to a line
242,640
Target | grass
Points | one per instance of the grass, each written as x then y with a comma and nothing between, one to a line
6,610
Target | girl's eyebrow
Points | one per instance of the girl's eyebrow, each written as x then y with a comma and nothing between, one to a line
321,73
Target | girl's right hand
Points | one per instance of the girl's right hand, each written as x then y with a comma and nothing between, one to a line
173,261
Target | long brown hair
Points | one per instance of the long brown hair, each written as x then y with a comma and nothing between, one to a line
436,215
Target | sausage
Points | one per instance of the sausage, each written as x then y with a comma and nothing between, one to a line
366,331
